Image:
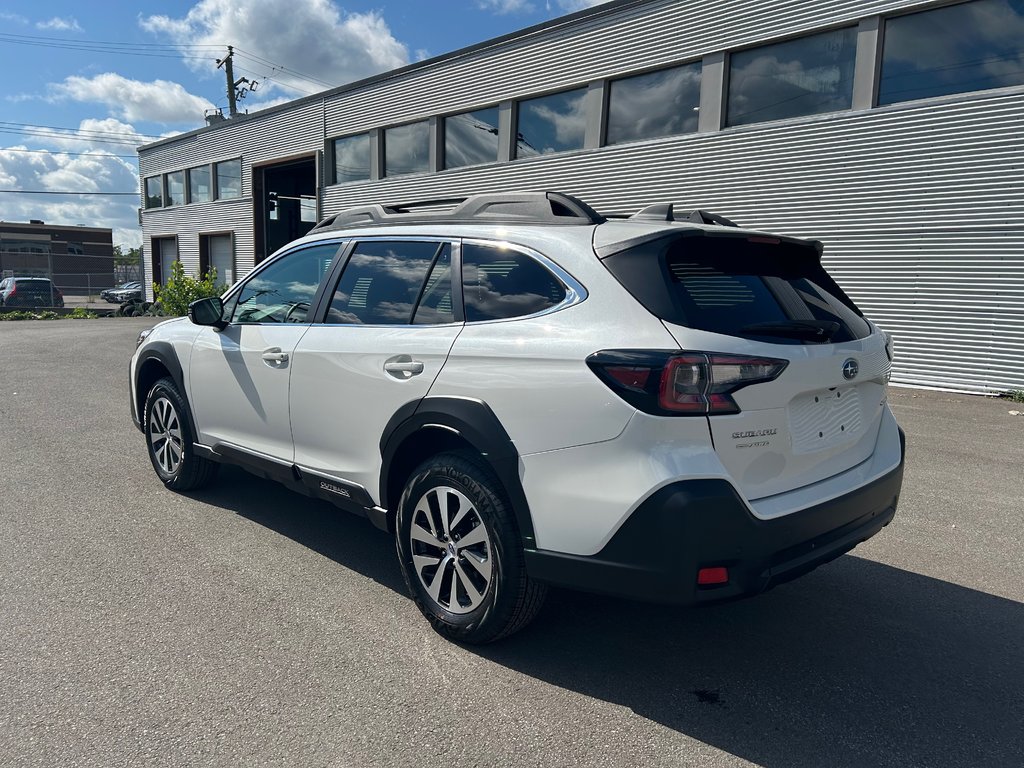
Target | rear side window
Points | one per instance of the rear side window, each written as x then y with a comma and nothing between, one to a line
499,283
385,282
756,288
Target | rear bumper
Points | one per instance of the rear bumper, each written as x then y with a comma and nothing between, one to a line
695,524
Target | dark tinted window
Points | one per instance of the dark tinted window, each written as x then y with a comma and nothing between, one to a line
229,179
383,280
498,283
407,149
766,290
471,138
352,158
435,305
807,76
283,292
554,123
966,47
655,104
154,192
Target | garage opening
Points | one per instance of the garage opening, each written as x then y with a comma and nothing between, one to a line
285,198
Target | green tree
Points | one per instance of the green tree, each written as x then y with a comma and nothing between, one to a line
180,290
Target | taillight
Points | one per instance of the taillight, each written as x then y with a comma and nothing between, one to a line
682,383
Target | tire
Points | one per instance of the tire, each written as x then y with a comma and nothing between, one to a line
169,440
468,579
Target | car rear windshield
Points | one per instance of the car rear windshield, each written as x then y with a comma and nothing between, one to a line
758,288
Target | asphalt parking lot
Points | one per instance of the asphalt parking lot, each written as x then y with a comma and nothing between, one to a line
244,625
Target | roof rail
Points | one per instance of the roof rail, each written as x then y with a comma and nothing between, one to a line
496,207
665,212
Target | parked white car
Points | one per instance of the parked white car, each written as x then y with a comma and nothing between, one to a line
525,393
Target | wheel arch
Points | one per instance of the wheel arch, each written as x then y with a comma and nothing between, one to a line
157,361
424,428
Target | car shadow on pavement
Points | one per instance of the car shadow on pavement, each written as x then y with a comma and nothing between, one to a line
856,664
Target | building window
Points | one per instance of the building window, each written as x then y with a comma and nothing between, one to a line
199,190
800,77
957,48
154,192
555,123
352,158
407,149
229,179
655,104
471,138
174,189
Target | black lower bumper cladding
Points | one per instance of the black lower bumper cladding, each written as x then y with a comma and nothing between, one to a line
696,524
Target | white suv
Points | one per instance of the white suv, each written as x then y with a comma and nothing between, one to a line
526,393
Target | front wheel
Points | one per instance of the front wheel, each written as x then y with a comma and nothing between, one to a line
461,552
169,440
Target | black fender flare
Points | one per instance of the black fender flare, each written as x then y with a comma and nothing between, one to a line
473,421
163,353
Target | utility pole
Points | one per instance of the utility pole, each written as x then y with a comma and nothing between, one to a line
234,92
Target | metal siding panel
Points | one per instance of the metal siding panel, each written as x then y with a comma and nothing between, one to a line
921,208
920,205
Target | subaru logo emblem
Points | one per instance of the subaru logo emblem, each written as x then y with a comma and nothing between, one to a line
850,369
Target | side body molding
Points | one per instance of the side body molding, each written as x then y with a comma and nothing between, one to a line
474,422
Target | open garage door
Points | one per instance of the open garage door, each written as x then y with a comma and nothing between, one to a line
285,199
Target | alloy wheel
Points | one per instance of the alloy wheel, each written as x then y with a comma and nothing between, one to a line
165,435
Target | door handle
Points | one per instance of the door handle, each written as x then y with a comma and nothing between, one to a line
275,355
403,367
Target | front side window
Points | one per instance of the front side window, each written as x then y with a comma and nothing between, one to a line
352,158
199,189
656,104
284,291
807,76
154,192
555,123
407,149
500,283
229,179
471,138
957,48
385,283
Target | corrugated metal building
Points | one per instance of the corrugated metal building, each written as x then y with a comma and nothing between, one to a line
889,129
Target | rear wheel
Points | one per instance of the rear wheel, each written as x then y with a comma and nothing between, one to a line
170,441
461,552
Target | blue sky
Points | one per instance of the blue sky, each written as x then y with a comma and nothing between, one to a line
85,83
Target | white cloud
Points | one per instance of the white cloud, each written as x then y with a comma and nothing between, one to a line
13,17
317,44
159,101
579,5
69,24
58,171
506,6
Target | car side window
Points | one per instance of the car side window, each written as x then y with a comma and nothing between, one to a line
385,282
499,283
284,291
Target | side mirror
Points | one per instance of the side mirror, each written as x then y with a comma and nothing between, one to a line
208,312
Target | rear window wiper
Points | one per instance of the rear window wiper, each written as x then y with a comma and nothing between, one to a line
807,330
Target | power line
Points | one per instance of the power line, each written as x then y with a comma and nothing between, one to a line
62,152
50,192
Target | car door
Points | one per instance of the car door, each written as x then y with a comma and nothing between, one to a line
390,322
239,376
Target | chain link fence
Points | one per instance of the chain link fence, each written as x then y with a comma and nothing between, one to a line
74,279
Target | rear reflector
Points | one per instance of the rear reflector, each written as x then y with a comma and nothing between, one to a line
707,577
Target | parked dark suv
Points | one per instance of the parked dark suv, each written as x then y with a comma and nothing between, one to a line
30,292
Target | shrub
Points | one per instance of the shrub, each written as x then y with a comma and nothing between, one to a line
180,290
80,313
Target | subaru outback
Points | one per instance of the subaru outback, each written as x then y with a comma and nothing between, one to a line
526,393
